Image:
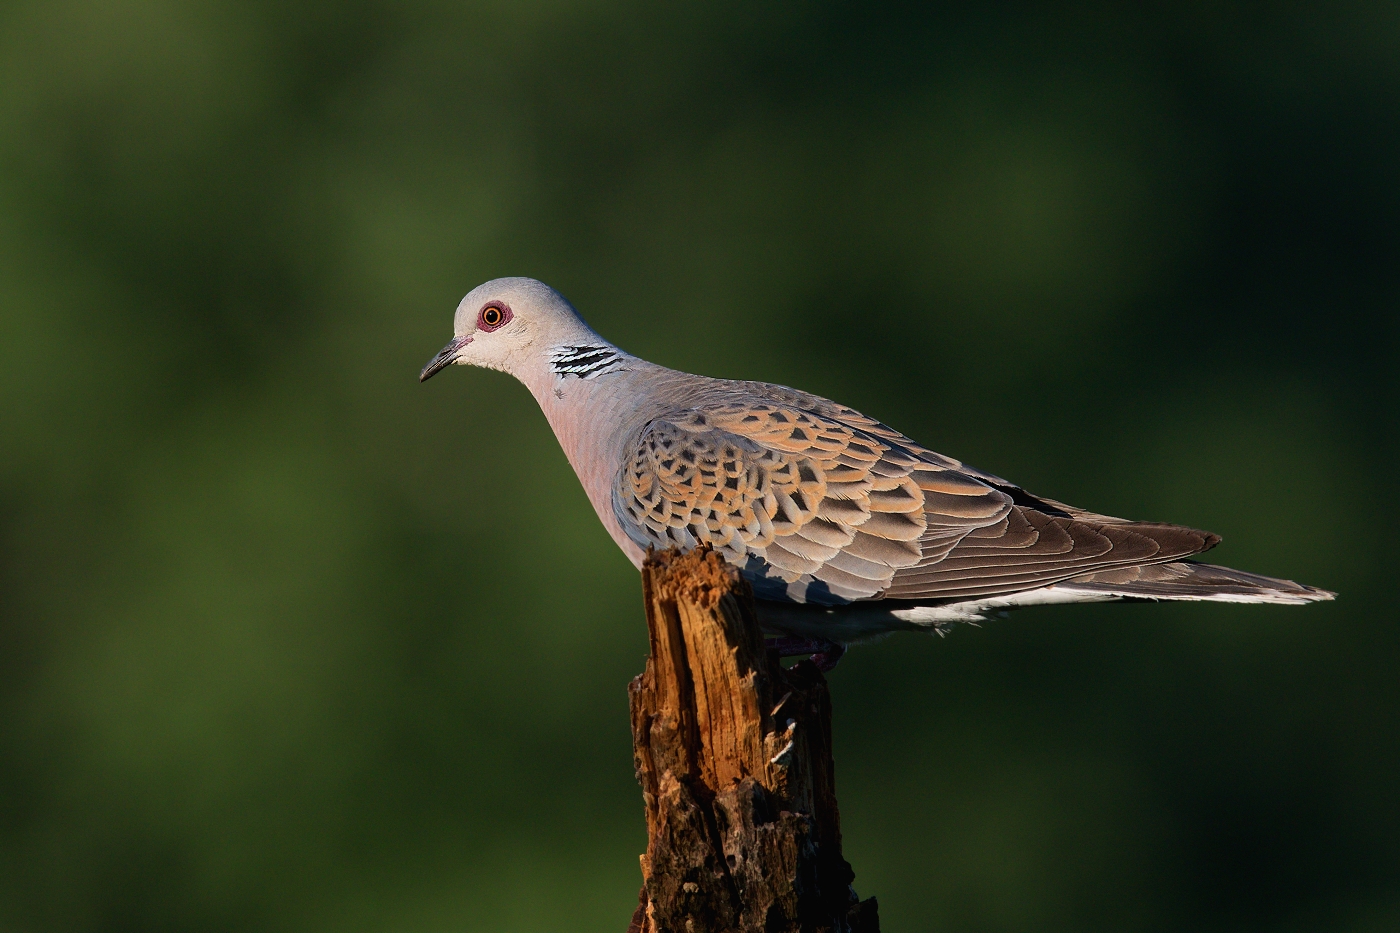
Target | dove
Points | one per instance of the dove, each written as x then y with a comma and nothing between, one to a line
844,528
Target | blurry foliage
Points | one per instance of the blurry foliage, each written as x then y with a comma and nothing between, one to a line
289,642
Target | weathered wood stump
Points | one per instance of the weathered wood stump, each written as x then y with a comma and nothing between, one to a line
734,757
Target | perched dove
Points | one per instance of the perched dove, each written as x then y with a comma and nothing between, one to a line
845,528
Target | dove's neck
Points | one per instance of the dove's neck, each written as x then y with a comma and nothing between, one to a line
595,397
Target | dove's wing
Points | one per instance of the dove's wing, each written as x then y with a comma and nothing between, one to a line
818,503
811,498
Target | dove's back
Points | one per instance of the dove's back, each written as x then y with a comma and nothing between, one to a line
819,504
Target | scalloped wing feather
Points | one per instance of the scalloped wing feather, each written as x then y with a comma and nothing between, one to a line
818,503
814,508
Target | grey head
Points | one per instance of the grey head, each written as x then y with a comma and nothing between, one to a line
510,324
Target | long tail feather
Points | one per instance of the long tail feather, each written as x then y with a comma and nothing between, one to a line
1186,579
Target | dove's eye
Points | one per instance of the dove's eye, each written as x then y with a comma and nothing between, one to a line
493,316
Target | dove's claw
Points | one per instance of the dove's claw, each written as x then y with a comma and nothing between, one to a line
824,654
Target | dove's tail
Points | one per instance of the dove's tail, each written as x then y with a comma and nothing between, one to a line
1188,580
1175,580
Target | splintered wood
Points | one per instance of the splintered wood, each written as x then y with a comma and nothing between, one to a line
734,757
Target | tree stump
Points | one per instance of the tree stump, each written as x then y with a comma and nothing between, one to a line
734,757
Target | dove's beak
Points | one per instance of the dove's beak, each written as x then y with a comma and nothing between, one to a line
446,358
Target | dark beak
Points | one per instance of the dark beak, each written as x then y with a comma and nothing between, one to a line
444,359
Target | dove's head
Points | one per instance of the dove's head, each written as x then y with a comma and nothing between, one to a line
509,324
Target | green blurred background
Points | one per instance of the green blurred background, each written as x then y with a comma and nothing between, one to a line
289,642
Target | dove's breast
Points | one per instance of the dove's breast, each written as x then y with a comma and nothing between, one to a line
596,420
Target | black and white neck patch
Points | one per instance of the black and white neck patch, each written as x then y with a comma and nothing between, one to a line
585,362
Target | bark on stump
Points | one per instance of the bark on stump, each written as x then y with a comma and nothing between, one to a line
734,757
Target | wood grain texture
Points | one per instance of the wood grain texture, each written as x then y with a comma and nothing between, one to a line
733,754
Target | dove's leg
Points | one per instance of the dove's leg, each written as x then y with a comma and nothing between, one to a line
824,654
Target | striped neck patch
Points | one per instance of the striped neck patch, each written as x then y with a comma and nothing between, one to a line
585,362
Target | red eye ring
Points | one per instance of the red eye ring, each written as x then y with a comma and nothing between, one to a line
493,316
